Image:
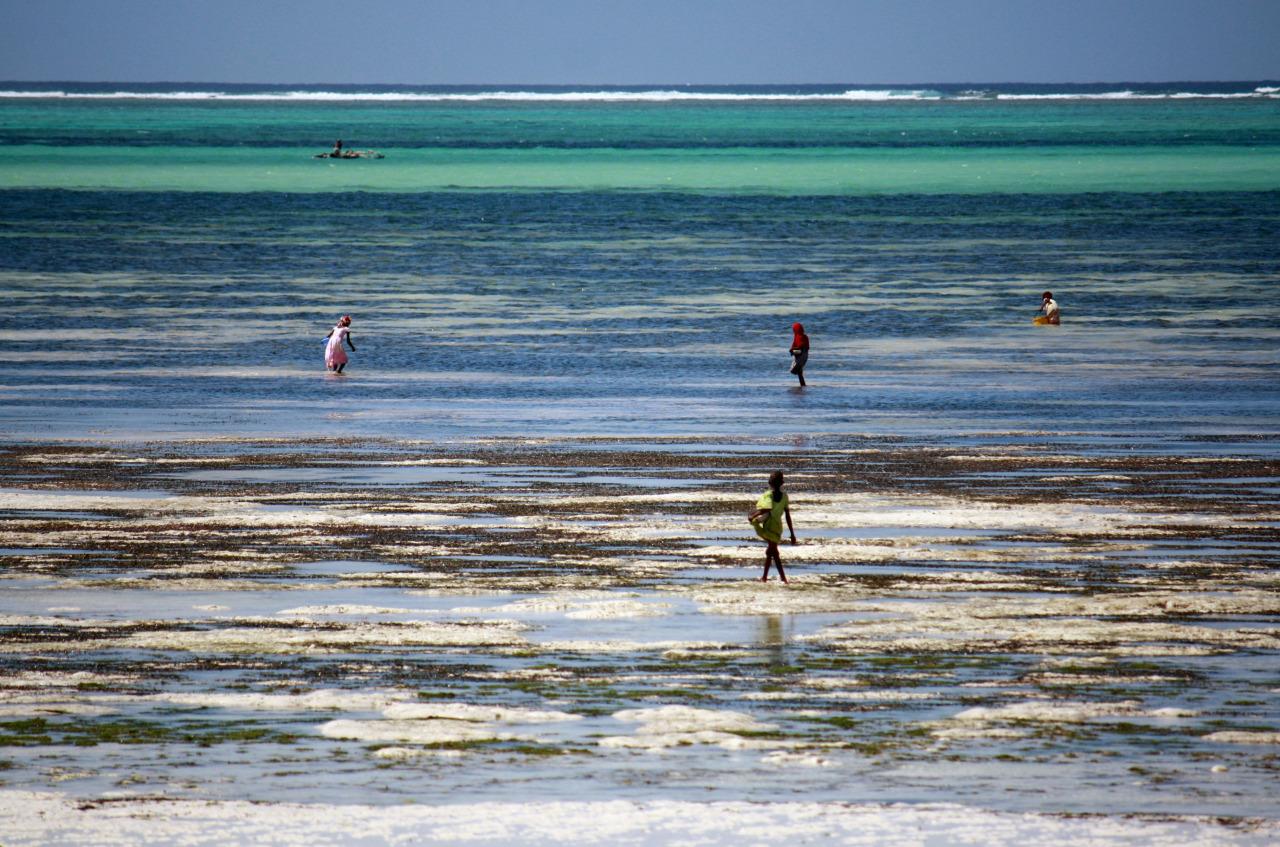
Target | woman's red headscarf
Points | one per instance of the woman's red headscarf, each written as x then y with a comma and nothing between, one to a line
798,338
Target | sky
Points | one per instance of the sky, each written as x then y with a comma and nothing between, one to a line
531,42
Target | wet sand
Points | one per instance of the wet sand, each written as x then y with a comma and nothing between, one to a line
1016,624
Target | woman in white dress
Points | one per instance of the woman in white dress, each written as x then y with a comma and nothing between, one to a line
335,358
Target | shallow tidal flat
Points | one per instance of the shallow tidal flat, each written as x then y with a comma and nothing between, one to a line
1016,624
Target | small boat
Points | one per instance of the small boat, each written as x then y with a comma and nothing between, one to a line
351,154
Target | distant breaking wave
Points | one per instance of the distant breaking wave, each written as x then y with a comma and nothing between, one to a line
1260,92
656,95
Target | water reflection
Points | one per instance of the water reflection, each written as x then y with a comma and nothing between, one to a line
773,636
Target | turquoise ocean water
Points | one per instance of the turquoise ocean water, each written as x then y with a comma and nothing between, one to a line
628,261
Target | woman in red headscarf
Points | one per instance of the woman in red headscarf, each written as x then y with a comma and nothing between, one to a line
799,351
335,358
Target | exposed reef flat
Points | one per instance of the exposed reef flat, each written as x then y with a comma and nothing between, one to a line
1019,625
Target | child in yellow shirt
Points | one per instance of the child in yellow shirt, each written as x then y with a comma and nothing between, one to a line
772,506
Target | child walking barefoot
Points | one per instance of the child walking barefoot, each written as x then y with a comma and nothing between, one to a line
767,520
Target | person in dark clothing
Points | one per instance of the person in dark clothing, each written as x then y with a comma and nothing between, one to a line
799,351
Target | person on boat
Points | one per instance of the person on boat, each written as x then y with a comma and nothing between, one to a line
767,517
799,351
1050,308
336,152
335,358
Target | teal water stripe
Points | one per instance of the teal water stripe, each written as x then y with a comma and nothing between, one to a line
804,171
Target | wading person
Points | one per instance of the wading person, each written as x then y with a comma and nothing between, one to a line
799,351
767,520
1049,307
335,358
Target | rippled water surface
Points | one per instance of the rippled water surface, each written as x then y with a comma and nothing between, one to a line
161,314
557,264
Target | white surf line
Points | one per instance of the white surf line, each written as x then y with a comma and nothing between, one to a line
53,820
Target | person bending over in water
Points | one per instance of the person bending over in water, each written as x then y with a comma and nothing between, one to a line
335,358
1050,308
799,351
767,520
